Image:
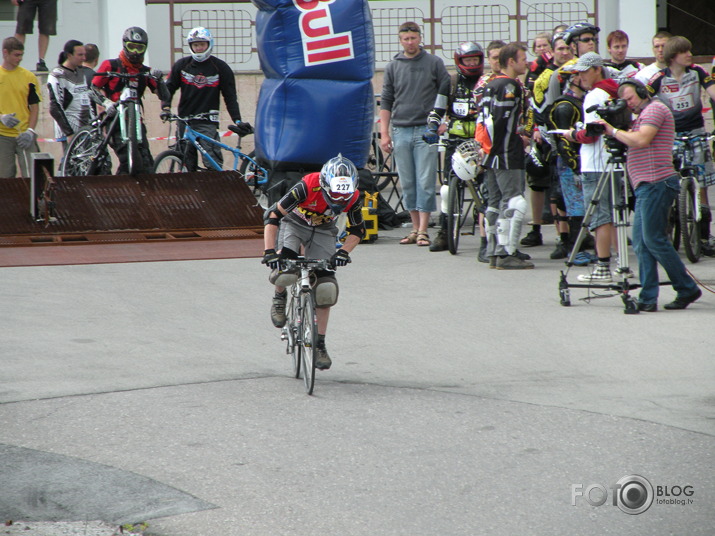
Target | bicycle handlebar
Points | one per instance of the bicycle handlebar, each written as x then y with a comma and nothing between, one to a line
310,264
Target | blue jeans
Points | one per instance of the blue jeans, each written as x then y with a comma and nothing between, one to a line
416,162
651,243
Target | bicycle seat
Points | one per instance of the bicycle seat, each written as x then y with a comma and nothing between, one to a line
241,131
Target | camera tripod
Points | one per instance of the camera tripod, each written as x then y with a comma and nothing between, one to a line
619,211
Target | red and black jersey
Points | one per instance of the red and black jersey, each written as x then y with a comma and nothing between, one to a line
306,204
502,108
202,84
112,87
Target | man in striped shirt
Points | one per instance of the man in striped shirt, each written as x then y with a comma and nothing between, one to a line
656,185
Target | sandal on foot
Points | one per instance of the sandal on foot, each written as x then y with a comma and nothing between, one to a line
410,238
423,239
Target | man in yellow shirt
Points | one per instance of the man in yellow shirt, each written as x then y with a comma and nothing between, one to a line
19,110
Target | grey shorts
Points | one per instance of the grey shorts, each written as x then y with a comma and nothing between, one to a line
46,11
319,242
602,214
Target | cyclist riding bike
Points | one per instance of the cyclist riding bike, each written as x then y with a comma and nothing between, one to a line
305,217
130,61
679,87
459,111
203,79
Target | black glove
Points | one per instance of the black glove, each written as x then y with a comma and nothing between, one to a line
271,258
165,114
157,74
243,128
341,258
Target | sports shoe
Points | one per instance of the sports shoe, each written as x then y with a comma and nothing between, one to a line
322,359
440,241
493,262
522,256
278,310
601,274
584,258
512,262
532,238
561,252
41,66
707,249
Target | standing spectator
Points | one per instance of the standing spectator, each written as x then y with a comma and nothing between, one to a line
679,86
134,44
91,59
618,49
541,47
203,79
69,93
647,72
19,110
594,159
655,182
498,132
411,83
46,11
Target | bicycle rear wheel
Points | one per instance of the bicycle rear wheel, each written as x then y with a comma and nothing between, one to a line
308,339
169,162
255,179
689,226
455,217
81,153
673,226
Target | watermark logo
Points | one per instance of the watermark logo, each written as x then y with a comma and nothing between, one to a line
633,494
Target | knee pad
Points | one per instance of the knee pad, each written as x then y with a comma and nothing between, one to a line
326,292
516,206
281,278
490,219
444,198
503,228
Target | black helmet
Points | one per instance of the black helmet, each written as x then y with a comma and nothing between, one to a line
579,28
134,41
470,49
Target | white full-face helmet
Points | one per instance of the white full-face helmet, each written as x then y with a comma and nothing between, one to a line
200,34
465,160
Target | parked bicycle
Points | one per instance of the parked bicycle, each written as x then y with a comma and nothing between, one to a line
176,158
465,191
301,328
686,213
87,153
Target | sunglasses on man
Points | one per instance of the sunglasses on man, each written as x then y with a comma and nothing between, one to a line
410,29
587,39
135,48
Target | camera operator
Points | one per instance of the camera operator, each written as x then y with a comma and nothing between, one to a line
594,158
656,185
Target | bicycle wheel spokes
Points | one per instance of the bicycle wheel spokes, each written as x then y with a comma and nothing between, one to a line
455,219
689,226
292,335
309,335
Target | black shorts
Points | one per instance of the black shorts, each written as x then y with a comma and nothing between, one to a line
46,19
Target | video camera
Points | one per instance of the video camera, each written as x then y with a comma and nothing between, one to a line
615,112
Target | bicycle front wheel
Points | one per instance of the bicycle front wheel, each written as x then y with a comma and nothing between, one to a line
134,157
169,162
455,219
673,227
291,333
309,338
689,226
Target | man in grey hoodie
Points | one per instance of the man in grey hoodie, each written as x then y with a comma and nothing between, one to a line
410,85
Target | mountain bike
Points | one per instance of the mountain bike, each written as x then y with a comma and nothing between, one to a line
685,215
464,199
176,158
87,153
301,329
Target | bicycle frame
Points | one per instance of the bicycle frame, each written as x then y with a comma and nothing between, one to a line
683,148
128,98
192,136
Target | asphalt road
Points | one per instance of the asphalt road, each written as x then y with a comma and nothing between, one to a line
462,401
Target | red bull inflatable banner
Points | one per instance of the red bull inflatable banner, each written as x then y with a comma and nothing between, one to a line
317,99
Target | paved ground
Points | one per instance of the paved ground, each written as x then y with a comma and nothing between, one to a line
462,401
